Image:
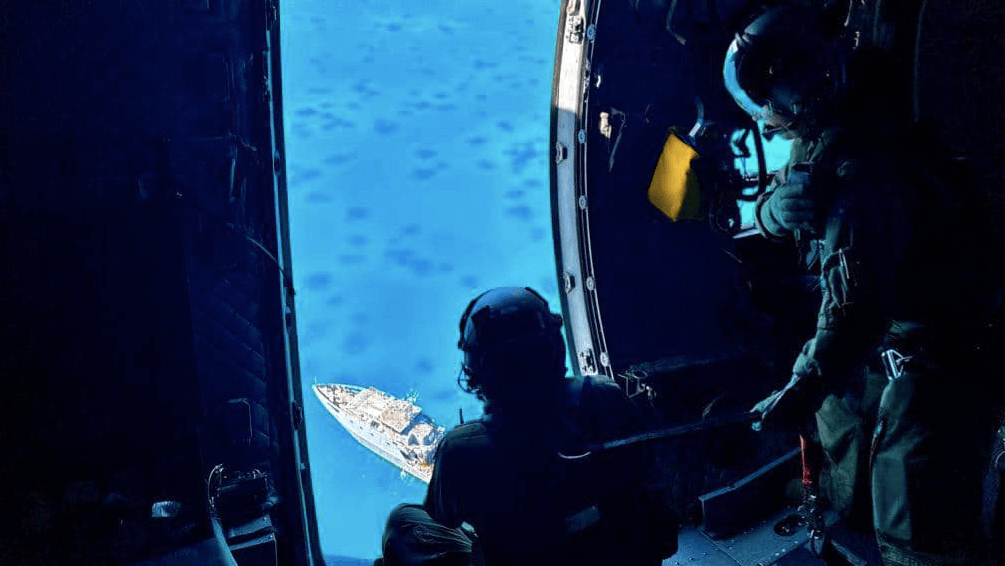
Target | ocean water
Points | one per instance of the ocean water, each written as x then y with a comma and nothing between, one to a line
416,137
417,147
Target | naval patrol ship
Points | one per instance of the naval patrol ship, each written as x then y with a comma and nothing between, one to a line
394,429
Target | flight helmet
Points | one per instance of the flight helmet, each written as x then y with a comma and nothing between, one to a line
790,65
509,336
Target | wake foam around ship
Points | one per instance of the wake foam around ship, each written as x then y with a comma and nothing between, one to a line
412,396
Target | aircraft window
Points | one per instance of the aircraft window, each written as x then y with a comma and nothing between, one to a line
776,153
417,163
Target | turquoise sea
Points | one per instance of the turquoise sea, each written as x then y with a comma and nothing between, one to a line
416,136
417,141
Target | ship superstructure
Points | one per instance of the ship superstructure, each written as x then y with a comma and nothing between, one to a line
395,429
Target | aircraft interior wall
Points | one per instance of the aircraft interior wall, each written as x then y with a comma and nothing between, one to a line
672,289
142,315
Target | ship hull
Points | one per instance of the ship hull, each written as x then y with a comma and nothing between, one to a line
371,437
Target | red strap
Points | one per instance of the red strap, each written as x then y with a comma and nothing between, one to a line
807,473
812,456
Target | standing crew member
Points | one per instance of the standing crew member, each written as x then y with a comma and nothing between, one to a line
904,283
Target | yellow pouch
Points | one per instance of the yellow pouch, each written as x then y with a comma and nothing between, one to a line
674,188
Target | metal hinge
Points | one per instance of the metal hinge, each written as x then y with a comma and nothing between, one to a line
587,362
575,29
634,382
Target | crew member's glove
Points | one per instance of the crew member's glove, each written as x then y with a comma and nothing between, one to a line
790,207
792,407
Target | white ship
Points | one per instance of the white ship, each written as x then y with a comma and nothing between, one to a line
392,428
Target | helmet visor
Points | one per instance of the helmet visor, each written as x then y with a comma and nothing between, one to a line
729,74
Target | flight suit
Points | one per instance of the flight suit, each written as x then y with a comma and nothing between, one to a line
504,476
413,538
845,420
903,279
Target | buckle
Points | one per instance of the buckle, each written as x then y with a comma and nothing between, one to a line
893,363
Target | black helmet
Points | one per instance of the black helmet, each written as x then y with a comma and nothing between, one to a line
790,62
509,333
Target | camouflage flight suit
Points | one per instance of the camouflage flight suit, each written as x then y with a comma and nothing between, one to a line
901,274
845,420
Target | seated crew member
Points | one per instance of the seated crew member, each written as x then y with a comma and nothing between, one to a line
519,475
902,272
